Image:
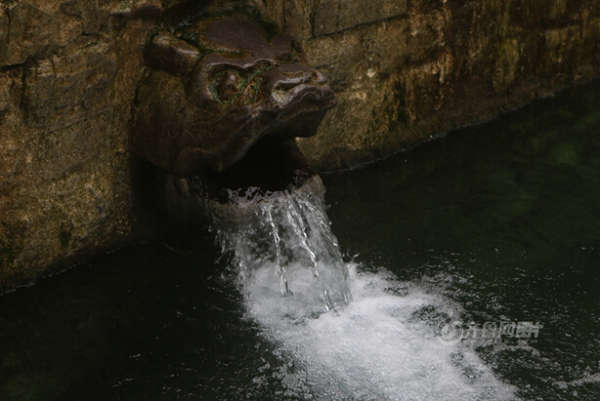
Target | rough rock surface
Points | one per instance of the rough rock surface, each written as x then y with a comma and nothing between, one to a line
68,74
408,70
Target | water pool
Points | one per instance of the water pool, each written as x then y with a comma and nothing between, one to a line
495,223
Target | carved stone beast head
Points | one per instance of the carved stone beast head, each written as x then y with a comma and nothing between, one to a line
218,86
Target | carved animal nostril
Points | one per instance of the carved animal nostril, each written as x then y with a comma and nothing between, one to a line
286,85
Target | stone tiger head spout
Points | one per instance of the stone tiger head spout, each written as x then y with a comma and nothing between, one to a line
217,87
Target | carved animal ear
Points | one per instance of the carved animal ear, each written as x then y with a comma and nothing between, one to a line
170,54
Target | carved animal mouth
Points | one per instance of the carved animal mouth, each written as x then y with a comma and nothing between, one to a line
274,163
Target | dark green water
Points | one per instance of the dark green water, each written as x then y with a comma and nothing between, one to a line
503,218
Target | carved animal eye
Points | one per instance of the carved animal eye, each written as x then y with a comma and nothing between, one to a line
225,85
236,86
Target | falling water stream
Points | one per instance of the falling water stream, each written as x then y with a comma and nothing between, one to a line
493,223
348,334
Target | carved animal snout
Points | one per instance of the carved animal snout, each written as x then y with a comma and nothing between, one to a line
296,83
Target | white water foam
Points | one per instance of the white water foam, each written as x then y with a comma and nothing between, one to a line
381,345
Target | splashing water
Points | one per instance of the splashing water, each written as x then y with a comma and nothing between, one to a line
284,242
378,344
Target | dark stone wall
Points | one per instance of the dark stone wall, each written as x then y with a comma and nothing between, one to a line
68,73
407,70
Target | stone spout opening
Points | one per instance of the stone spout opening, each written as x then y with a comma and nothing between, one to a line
274,163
